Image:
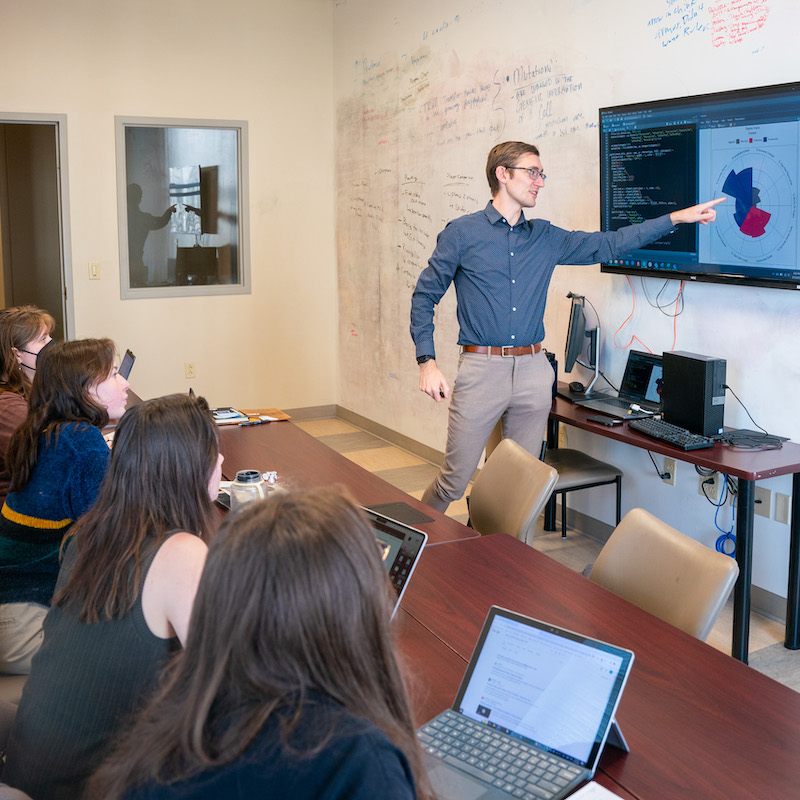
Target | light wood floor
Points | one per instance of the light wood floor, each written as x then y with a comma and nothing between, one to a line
411,474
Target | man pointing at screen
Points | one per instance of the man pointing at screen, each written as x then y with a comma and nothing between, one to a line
501,265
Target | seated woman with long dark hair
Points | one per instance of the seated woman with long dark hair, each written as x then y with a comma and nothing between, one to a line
24,331
124,596
57,458
288,685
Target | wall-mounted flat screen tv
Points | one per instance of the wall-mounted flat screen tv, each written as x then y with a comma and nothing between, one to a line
742,145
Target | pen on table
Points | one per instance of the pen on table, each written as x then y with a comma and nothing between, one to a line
254,422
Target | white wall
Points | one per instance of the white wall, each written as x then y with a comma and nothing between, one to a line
423,90
263,61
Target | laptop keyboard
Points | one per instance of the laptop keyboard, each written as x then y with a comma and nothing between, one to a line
613,401
508,764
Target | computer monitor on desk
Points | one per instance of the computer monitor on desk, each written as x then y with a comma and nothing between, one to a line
576,341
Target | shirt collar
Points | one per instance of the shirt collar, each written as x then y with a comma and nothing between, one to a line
494,216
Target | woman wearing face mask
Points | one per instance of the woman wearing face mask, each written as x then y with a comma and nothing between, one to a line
24,331
57,459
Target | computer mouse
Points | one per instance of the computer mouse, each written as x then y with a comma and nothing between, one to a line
577,387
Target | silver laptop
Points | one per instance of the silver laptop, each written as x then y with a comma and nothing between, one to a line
400,546
641,385
532,715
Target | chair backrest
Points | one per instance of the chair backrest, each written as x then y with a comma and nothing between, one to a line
665,572
510,492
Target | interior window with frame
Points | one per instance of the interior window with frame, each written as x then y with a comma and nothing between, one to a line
182,191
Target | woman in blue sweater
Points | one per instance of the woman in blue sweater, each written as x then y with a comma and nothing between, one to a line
57,459
288,685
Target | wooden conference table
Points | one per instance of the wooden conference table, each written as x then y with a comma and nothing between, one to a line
748,467
302,461
699,723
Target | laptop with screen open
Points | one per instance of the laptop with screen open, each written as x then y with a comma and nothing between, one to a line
641,385
536,706
400,546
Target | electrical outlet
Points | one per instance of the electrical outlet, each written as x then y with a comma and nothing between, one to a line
763,502
669,469
782,508
708,486
94,271
189,370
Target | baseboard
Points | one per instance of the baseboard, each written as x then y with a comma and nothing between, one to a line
768,604
312,412
387,434
586,525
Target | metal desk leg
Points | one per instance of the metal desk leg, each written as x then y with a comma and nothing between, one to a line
552,433
792,640
550,507
745,511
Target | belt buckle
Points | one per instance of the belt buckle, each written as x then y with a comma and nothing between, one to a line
507,347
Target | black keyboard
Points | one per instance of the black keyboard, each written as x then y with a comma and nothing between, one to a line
671,434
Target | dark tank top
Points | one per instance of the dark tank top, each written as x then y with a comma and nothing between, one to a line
86,684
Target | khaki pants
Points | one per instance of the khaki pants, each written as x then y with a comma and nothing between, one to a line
20,635
516,389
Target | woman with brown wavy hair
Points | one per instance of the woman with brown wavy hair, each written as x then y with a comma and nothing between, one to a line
288,685
24,331
124,596
57,458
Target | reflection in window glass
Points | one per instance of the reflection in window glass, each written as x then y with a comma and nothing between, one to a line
183,215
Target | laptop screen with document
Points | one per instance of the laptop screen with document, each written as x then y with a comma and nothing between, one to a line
550,687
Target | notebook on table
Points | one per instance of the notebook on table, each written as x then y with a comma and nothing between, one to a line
641,385
531,716
400,547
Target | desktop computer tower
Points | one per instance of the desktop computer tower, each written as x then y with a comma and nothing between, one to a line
692,396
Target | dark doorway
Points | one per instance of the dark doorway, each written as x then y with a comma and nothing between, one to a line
31,258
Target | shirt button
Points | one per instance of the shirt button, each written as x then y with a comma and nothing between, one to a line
512,254
513,281
512,336
514,308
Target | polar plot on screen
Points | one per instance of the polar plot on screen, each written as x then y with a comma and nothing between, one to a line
752,220
757,226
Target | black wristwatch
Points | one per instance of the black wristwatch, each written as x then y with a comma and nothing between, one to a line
423,359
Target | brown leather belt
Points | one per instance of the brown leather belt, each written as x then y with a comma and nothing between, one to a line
505,351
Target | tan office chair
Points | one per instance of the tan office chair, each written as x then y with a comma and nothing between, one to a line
510,492
665,572
576,471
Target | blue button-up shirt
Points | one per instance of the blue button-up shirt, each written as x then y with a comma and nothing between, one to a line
501,273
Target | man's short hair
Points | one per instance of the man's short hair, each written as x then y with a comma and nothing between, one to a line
506,154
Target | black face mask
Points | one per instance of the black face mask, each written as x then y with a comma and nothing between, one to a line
35,355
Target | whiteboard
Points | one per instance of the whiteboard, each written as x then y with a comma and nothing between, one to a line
424,90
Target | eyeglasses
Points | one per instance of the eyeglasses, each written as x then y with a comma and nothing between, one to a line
533,172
